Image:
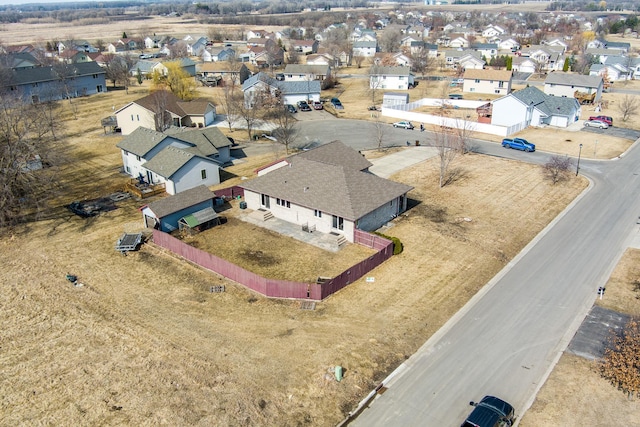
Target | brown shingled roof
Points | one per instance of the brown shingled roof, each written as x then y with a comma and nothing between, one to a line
488,74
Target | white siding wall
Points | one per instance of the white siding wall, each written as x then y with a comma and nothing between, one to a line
507,112
191,175
486,86
133,116
390,82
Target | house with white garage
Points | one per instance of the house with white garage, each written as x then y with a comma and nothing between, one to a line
327,189
262,85
165,214
487,81
567,84
391,78
532,107
179,158
523,64
162,109
305,72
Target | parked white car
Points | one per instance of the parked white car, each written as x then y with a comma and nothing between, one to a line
596,124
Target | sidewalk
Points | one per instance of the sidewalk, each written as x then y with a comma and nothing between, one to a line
386,166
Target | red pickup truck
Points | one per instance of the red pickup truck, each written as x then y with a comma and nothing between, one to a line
608,120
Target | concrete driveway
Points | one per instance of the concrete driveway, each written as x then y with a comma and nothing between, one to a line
388,165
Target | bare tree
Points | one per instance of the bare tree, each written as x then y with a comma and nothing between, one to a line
422,62
286,131
449,143
230,102
390,40
557,168
358,60
178,50
293,56
628,106
379,131
21,142
161,116
375,82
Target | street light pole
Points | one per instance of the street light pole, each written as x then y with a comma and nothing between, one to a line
578,166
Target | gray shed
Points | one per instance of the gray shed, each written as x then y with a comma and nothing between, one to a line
391,98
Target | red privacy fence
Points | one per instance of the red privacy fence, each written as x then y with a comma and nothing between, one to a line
281,288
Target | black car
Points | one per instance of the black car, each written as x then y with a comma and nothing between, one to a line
490,412
290,108
303,106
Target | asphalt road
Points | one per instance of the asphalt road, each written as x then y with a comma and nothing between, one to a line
507,339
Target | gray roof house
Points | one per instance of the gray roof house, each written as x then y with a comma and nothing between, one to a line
566,84
290,92
180,159
304,72
327,189
532,107
48,83
165,213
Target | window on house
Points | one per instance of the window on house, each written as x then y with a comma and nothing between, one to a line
317,213
138,116
283,203
132,117
472,89
338,222
203,173
500,84
497,90
477,81
138,158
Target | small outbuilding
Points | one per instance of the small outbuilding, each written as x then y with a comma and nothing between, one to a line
389,99
199,221
165,214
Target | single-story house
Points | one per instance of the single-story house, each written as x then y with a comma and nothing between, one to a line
143,112
532,107
165,213
390,78
566,84
523,64
327,189
290,92
487,81
179,158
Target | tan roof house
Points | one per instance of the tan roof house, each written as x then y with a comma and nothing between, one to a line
495,82
145,112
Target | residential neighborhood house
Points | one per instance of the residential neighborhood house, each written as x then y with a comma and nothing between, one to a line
532,107
180,159
487,81
327,189
145,112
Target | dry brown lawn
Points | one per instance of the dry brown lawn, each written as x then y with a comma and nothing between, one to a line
575,391
144,342
271,255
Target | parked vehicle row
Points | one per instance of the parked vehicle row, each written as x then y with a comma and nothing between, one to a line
596,124
606,119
